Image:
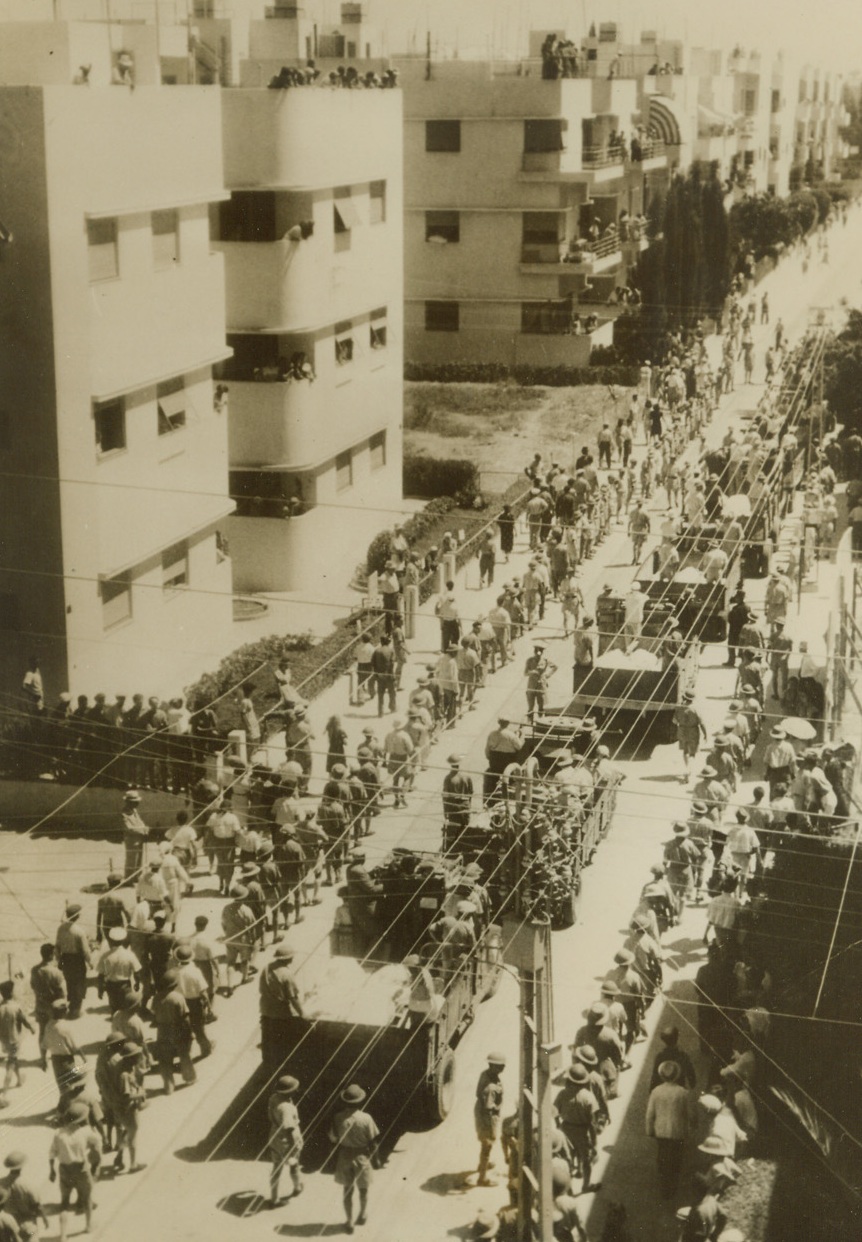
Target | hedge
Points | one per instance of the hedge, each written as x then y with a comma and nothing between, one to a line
498,372
317,666
432,477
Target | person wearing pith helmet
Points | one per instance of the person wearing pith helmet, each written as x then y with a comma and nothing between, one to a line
135,834
487,1112
23,1202
354,1133
285,1137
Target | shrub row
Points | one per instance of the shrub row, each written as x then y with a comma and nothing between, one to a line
527,376
431,477
316,666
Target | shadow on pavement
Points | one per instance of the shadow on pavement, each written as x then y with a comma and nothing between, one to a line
449,1183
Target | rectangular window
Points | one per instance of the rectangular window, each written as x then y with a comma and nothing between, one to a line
116,601
442,135
171,401
102,254
110,425
343,343
776,101
175,568
544,135
344,471
166,239
442,226
247,216
749,102
541,228
442,316
377,203
377,329
10,617
377,450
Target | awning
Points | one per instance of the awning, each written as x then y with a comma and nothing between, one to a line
664,120
348,211
136,525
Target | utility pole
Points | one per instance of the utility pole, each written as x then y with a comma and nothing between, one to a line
527,947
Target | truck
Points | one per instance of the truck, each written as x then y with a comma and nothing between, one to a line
406,1061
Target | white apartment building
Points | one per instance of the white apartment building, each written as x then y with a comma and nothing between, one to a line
113,450
504,172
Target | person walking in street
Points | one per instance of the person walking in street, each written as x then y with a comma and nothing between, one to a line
74,957
60,1045
446,678
383,669
576,1110
506,524
690,729
285,1137
279,1002
457,801
237,921
135,834
668,1122
173,1032
47,985
487,1112
400,753
446,609
23,1201
538,670
13,1021
76,1156
222,831
118,968
193,987
354,1133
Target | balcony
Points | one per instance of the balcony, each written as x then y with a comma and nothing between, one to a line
650,153
572,257
604,157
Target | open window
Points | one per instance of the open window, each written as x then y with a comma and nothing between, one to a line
175,568
442,316
377,202
171,401
344,343
377,328
443,227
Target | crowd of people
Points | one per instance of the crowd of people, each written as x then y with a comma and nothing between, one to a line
343,77
160,979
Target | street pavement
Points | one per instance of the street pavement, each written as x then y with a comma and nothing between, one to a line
427,1189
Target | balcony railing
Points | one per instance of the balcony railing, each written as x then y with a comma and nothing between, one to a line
576,250
603,157
647,149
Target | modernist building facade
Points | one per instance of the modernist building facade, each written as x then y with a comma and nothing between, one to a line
312,243
113,450
505,175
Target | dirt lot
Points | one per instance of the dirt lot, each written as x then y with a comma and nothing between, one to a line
501,426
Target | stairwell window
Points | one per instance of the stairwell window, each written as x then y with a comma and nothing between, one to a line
377,203
344,471
103,259
116,596
109,419
166,239
171,401
343,343
377,450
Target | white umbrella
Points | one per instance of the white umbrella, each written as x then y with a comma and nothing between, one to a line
801,730
737,506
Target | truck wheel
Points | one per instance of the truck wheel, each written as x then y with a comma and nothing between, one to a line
442,1093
